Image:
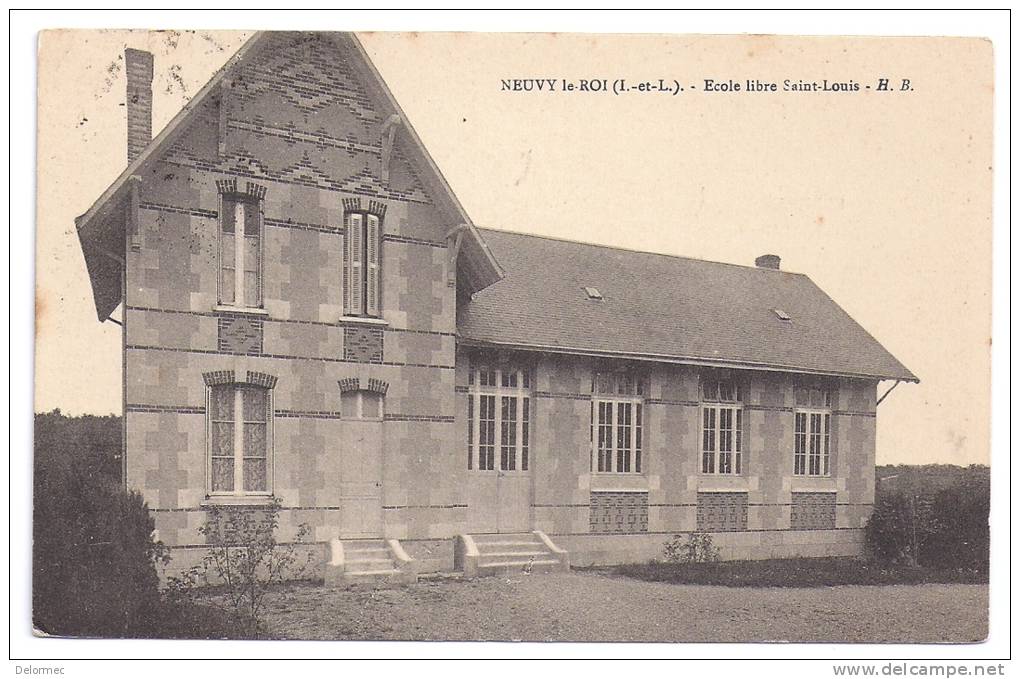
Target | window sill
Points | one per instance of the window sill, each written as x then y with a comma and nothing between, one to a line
807,484
237,501
366,320
249,310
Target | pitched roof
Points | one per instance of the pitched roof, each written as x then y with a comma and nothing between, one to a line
663,307
101,228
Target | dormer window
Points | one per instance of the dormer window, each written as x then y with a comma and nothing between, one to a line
593,293
781,315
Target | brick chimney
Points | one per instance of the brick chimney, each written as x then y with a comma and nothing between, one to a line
138,66
767,262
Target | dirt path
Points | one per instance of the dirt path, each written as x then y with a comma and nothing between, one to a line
596,607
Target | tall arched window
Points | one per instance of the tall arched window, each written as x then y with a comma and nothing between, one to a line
240,418
240,246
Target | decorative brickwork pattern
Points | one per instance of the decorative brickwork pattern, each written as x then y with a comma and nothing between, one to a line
813,511
619,512
363,345
240,335
377,208
256,191
296,112
352,204
226,185
349,384
261,379
722,511
378,386
218,377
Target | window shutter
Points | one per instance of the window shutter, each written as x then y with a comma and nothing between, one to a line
355,233
253,253
372,266
227,281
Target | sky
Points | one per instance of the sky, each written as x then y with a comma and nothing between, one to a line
884,200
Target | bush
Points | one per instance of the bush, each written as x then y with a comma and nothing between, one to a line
93,557
695,547
244,561
961,535
946,529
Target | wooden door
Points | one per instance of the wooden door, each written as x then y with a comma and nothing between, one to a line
513,502
361,480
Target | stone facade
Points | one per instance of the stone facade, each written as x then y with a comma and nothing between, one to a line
671,495
296,126
296,131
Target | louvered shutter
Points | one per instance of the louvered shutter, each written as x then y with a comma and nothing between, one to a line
372,266
355,263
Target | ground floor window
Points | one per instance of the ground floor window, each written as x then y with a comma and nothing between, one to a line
811,443
240,448
617,423
618,434
721,435
499,419
361,405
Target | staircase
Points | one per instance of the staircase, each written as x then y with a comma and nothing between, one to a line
509,553
373,561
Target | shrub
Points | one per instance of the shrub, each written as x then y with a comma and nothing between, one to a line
947,529
244,561
695,547
960,535
93,557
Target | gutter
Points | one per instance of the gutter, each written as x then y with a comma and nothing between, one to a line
678,360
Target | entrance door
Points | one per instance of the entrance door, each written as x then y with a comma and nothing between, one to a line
513,502
499,421
361,479
499,501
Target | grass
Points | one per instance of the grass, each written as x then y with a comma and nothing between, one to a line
804,572
189,620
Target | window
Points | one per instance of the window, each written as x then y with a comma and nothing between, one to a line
361,405
722,427
240,440
616,423
499,418
240,251
812,426
361,264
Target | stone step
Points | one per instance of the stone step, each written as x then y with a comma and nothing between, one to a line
507,553
368,561
509,568
496,537
502,543
379,571
512,554
368,551
360,563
